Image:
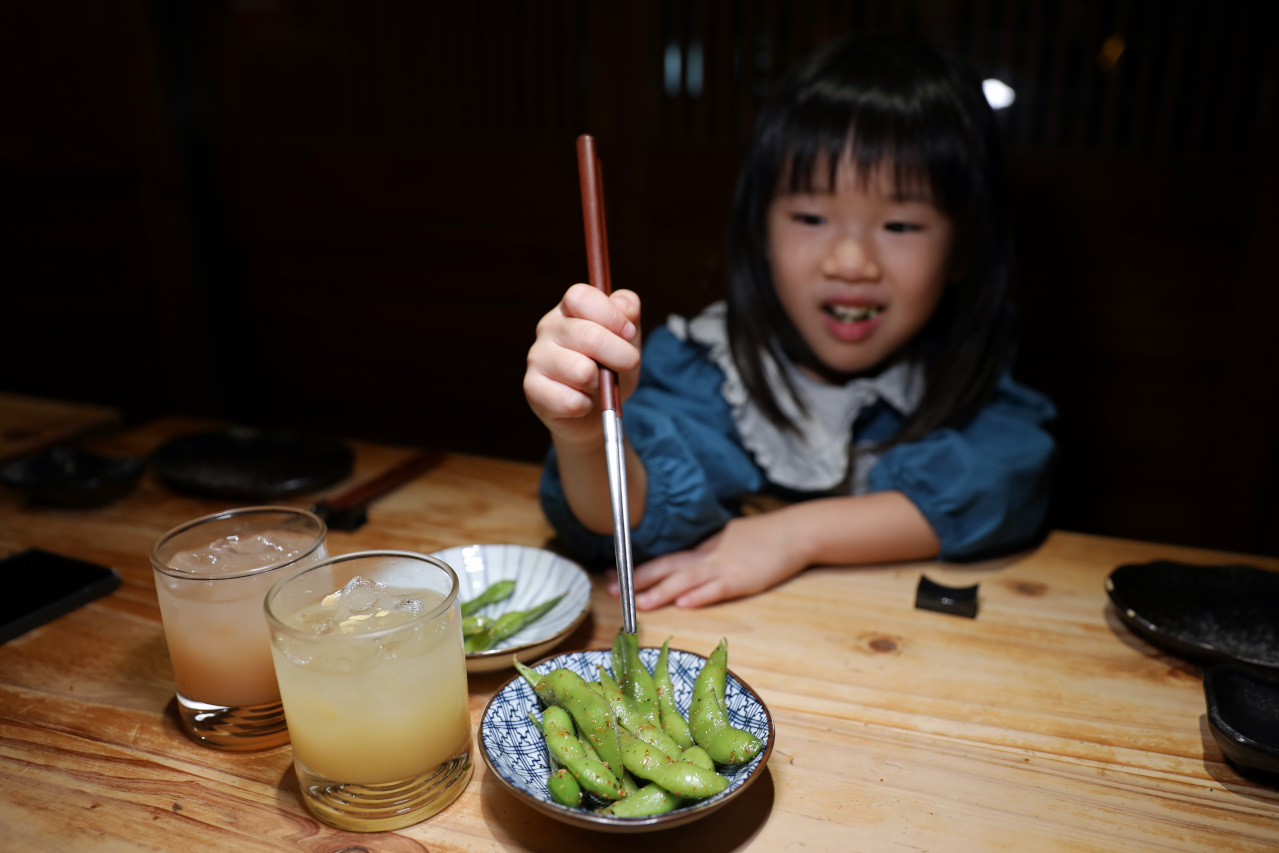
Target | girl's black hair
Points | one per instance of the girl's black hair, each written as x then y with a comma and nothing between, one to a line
883,101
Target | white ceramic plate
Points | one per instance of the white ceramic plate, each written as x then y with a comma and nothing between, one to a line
515,752
539,575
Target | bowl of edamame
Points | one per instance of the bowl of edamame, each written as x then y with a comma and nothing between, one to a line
535,737
516,601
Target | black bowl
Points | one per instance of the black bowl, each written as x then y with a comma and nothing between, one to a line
71,478
1243,716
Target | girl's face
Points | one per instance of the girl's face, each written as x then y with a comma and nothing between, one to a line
861,269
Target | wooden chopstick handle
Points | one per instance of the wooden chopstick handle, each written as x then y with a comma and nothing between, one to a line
590,176
588,173
385,482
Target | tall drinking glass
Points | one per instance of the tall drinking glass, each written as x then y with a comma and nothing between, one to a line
211,575
368,653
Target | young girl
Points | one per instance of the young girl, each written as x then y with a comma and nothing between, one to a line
859,367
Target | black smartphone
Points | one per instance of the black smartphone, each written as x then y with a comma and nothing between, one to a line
39,586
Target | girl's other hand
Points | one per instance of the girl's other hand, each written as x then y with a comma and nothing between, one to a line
584,331
749,555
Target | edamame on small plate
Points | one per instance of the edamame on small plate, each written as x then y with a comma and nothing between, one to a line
515,751
539,577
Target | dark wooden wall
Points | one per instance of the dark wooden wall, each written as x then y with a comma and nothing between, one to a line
348,216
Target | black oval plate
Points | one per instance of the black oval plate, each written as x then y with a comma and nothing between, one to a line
1243,716
71,478
1205,614
246,464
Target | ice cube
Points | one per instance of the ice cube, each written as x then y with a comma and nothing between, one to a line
405,603
317,619
255,544
360,595
235,553
196,562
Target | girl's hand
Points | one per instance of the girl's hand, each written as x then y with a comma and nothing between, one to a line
561,381
751,554
747,556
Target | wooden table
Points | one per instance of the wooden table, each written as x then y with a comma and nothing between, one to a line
30,424
1043,724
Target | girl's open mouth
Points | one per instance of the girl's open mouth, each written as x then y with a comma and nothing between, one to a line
853,313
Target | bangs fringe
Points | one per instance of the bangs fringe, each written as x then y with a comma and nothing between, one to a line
825,131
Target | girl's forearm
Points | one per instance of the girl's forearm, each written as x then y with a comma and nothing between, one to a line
881,527
584,474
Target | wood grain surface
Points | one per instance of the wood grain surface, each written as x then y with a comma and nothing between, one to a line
31,424
1043,724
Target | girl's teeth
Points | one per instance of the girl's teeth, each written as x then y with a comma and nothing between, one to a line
853,314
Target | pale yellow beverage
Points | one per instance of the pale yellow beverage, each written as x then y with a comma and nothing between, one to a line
369,658
211,576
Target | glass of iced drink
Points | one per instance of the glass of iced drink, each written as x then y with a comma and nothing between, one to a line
368,653
211,575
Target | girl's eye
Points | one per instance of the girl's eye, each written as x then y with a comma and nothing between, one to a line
902,227
808,219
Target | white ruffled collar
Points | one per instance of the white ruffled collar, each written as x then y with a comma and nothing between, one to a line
817,457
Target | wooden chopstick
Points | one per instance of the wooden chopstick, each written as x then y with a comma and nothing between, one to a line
590,176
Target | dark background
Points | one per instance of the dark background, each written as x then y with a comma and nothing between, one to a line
348,216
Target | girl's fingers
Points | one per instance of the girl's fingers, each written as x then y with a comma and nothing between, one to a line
656,570
558,382
564,365
696,586
617,313
602,327
628,302
584,338
679,587
711,592
553,399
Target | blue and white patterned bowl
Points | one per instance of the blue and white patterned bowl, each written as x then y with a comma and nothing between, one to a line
539,575
515,752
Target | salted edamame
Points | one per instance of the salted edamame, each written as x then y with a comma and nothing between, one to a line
649,771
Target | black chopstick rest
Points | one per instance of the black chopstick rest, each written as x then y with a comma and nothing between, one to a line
957,601
349,519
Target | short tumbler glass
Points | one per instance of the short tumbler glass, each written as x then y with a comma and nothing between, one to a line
372,672
211,575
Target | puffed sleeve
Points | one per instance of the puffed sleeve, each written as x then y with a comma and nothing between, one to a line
985,487
682,429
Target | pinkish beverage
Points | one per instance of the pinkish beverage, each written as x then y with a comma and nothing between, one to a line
211,576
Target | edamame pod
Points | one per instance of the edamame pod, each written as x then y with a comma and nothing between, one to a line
509,623
629,718
473,625
637,681
625,777
657,736
700,757
563,785
681,778
531,676
565,748
672,720
708,718
623,706
653,798
564,788
594,718
493,593
647,801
